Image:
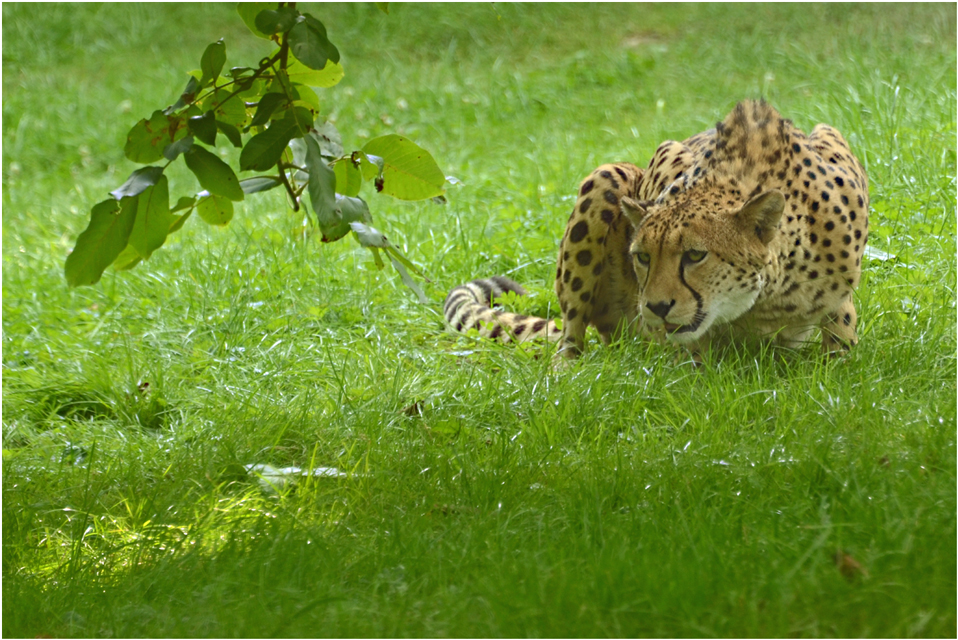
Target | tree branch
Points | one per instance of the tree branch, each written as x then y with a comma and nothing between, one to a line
289,189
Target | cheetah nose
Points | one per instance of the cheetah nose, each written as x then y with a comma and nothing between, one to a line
661,309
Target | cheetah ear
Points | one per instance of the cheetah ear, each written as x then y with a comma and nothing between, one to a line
634,210
762,214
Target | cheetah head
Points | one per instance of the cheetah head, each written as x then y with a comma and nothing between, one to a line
700,258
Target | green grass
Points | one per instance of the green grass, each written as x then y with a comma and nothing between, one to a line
630,495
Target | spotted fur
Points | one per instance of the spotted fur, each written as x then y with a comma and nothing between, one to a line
751,229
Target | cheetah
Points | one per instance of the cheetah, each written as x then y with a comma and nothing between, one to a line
748,230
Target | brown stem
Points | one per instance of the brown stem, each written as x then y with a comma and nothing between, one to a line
289,189
284,45
262,69
284,53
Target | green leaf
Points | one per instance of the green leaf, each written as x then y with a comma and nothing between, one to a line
328,76
322,185
369,236
383,6
214,175
248,12
232,134
377,258
319,29
279,83
353,209
179,221
309,44
303,120
102,241
204,127
348,177
127,259
251,91
147,139
185,202
138,182
278,21
188,96
264,149
307,98
372,166
406,278
409,171
349,210
215,210
173,150
153,219
295,155
330,141
335,232
212,62
258,184
226,108
405,261
267,105
372,238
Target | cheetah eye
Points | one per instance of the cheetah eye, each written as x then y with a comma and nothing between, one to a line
692,256
642,257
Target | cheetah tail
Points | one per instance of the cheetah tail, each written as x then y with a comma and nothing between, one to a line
469,306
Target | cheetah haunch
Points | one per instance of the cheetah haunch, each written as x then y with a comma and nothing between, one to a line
748,230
